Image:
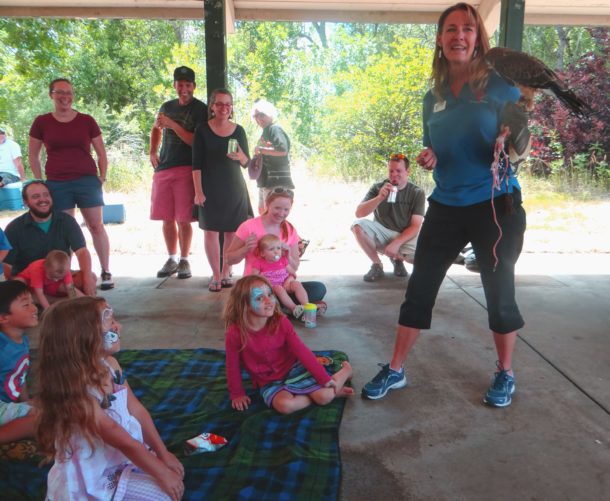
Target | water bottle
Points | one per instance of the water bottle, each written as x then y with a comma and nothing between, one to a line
309,315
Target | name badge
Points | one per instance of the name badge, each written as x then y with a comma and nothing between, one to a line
439,106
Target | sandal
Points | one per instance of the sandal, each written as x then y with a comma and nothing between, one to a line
321,308
215,286
226,283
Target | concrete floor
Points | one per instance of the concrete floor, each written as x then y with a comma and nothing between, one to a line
435,440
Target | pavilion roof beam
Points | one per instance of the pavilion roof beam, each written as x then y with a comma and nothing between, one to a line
489,11
545,12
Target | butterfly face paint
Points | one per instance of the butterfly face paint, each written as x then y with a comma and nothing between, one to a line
110,330
110,338
262,300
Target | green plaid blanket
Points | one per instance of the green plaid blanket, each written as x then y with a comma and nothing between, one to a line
269,456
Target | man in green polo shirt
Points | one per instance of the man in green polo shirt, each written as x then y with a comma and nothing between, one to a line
398,210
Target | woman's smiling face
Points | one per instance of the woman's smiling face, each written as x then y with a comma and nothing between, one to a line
223,105
279,209
62,95
458,37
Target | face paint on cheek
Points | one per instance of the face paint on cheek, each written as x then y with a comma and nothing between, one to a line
110,338
257,295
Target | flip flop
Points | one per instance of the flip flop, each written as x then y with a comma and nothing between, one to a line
214,286
226,283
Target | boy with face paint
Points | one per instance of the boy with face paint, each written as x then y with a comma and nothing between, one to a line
272,263
262,340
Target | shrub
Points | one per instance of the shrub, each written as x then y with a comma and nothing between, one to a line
580,144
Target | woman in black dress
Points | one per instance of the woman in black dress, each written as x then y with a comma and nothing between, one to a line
220,189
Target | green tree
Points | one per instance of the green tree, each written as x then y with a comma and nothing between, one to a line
378,112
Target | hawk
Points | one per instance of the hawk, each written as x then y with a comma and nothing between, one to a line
530,74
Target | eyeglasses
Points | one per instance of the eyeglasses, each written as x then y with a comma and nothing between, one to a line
283,191
62,92
223,105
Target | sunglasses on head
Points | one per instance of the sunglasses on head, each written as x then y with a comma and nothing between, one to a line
398,156
281,191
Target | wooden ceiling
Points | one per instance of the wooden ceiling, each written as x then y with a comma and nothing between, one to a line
554,12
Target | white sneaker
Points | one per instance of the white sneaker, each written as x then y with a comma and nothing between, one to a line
298,311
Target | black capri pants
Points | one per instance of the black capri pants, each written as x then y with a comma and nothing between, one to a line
444,233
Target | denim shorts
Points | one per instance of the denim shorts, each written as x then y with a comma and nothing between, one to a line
84,193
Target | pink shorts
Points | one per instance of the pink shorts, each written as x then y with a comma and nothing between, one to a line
173,195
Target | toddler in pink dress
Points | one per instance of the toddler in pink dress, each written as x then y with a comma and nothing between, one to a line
272,263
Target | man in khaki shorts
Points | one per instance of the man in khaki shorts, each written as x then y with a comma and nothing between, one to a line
398,210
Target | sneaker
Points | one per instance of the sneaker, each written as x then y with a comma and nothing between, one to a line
169,268
375,273
386,379
399,268
184,269
470,262
107,282
501,389
298,311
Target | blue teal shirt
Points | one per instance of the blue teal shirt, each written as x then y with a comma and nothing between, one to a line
462,132
4,243
14,366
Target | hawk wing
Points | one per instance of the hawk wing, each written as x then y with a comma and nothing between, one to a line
525,71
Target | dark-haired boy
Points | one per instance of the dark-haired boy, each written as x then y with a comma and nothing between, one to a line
17,313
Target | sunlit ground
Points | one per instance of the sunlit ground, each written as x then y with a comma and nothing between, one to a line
564,236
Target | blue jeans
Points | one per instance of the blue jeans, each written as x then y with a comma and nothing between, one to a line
315,291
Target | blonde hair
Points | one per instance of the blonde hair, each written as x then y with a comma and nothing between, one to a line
268,239
238,307
57,259
479,71
69,368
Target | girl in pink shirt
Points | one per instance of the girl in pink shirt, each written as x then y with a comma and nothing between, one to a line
272,263
263,340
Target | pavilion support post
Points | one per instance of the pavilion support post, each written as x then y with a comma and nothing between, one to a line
215,57
511,23
215,45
